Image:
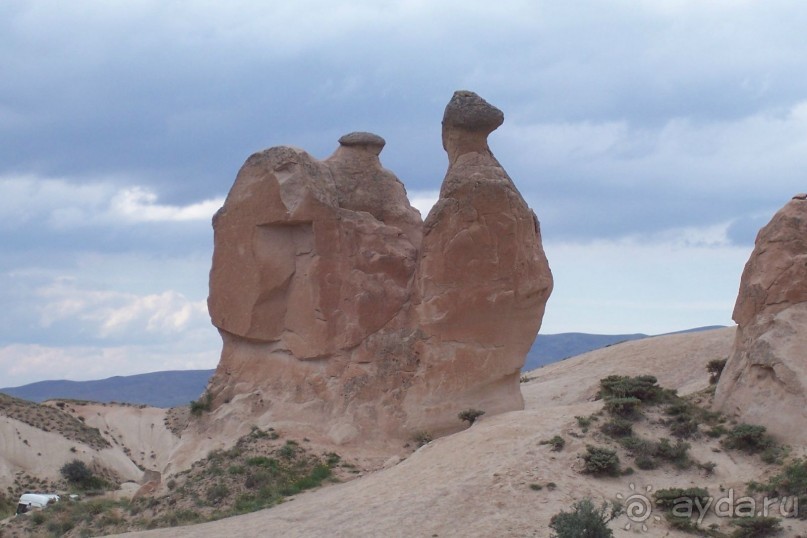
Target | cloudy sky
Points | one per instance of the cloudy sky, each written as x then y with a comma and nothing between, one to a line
652,137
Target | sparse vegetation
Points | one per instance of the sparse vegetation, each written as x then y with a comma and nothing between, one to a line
708,467
557,443
202,405
470,415
650,454
585,520
790,482
644,388
753,439
80,476
7,505
256,473
600,461
422,438
756,527
716,431
715,368
617,427
583,422
51,418
623,407
667,499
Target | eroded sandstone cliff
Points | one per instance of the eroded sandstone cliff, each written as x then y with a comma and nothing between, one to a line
338,307
765,379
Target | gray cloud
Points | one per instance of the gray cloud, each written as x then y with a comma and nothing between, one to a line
643,119
177,97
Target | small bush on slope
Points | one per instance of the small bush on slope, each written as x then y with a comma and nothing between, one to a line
585,520
470,415
715,368
51,419
600,461
756,527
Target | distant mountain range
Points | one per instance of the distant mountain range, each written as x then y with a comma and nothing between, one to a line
549,348
157,389
179,387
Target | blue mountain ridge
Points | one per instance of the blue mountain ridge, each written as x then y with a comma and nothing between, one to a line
178,387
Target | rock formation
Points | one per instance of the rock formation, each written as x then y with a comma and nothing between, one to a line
339,307
765,379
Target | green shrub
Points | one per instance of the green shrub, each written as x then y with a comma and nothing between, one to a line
422,438
288,450
76,472
201,405
677,454
643,387
314,479
716,431
645,462
470,415
583,422
260,461
668,499
585,520
641,450
257,479
557,443
682,426
600,461
715,368
617,427
217,493
79,475
756,527
708,467
648,453
623,407
790,482
748,438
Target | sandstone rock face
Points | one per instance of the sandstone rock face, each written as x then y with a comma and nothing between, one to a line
340,308
765,379
483,278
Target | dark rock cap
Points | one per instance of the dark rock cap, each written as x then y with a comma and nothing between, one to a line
360,138
468,111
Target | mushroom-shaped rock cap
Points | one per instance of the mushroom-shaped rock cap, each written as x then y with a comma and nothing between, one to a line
360,138
468,111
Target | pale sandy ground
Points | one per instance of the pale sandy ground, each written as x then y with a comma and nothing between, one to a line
137,435
139,429
42,454
476,482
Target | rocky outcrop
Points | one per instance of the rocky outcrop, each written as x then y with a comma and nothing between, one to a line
339,307
765,379
483,278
